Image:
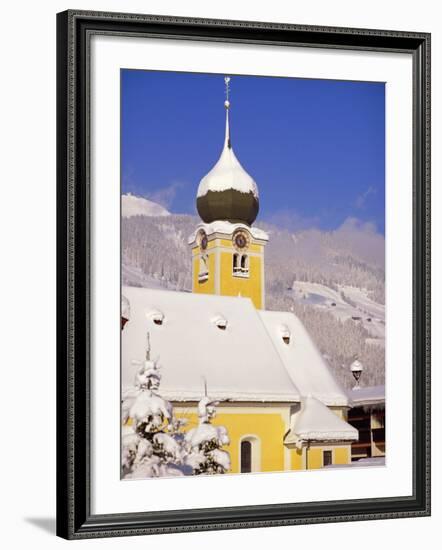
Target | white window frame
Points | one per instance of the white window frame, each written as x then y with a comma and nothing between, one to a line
255,450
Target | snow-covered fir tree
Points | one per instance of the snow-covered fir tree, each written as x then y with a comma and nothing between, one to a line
203,443
153,440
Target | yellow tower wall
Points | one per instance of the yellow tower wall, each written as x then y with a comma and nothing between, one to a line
250,287
221,279
204,287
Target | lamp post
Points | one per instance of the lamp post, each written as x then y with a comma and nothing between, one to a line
356,370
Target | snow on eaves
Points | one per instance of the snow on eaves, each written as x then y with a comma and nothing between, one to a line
224,227
316,422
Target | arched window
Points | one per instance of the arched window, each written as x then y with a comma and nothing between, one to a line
240,265
203,274
236,263
246,456
250,454
245,265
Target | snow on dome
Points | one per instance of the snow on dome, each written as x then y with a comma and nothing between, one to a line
240,363
302,360
316,422
227,174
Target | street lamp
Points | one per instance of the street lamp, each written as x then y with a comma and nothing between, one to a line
356,370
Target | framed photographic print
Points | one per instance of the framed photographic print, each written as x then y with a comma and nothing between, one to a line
243,274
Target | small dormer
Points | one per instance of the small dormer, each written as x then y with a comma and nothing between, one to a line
286,335
220,322
156,316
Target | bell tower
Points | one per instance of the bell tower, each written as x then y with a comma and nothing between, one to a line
227,252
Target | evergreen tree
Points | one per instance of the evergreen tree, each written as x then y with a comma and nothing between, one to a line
204,442
152,444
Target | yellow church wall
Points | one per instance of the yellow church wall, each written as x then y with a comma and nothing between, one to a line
314,458
296,459
340,455
250,287
267,428
268,425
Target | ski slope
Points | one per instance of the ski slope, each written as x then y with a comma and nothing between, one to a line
362,308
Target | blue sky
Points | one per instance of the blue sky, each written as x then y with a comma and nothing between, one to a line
316,148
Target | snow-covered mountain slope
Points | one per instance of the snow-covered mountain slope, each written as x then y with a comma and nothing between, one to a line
131,205
360,298
347,302
135,276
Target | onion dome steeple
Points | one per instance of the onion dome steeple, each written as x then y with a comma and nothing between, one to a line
228,192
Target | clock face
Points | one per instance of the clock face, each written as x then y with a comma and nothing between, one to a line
203,241
241,240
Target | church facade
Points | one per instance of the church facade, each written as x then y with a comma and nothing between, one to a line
278,399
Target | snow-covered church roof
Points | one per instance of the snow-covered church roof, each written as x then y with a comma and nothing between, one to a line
243,358
236,359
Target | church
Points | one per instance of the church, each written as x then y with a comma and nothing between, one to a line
281,405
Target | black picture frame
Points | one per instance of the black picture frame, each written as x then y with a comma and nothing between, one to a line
74,518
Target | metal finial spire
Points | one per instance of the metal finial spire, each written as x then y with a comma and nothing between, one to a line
227,82
227,106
